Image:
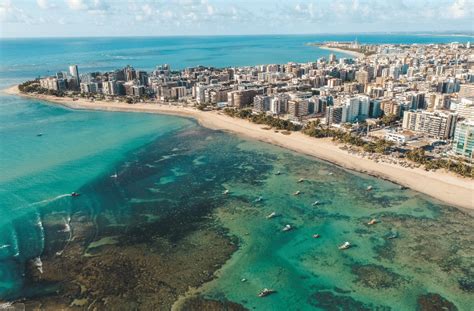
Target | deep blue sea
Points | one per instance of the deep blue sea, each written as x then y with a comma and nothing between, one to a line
147,180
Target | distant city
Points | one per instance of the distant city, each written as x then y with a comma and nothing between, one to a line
414,96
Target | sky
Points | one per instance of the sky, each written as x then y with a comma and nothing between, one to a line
87,18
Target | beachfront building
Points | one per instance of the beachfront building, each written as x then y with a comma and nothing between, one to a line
298,107
351,110
241,99
74,71
261,103
463,141
432,124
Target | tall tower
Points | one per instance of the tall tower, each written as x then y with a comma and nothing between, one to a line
74,71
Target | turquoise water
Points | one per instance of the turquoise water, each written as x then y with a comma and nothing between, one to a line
38,172
172,172
432,252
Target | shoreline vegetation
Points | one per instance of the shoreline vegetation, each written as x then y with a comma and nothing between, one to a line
440,184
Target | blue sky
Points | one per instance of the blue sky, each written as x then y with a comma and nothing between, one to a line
66,18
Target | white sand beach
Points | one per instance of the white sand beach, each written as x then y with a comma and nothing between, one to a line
444,186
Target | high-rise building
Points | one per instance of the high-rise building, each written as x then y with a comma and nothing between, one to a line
334,114
463,142
465,108
74,71
433,124
261,103
298,107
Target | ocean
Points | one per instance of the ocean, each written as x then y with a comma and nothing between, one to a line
152,217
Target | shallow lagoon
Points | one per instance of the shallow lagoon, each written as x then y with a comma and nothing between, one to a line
166,210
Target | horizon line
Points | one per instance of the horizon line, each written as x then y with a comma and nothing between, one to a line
447,33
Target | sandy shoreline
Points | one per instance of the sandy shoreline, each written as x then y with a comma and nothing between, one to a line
356,54
441,185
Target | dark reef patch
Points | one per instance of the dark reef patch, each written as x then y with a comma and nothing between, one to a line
327,300
376,277
140,240
199,304
434,302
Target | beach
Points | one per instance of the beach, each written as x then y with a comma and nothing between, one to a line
353,53
440,185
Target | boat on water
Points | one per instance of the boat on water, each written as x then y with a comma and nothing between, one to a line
265,292
297,193
259,199
369,188
300,180
287,228
271,215
346,245
74,194
114,175
315,203
316,236
372,222
278,173
330,174
226,191
243,280
39,134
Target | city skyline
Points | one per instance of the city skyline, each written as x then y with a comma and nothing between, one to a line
98,18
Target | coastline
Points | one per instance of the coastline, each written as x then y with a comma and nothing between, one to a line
356,54
440,185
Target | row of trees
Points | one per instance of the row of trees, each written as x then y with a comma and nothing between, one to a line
262,118
34,87
453,165
314,129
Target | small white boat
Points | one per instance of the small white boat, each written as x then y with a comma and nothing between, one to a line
316,236
226,192
243,280
297,193
114,175
271,215
259,199
372,222
278,173
392,236
315,203
346,245
330,174
265,292
300,180
287,228
369,188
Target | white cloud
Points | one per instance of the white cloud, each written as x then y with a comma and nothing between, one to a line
9,13
44,4
459,9
77,5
